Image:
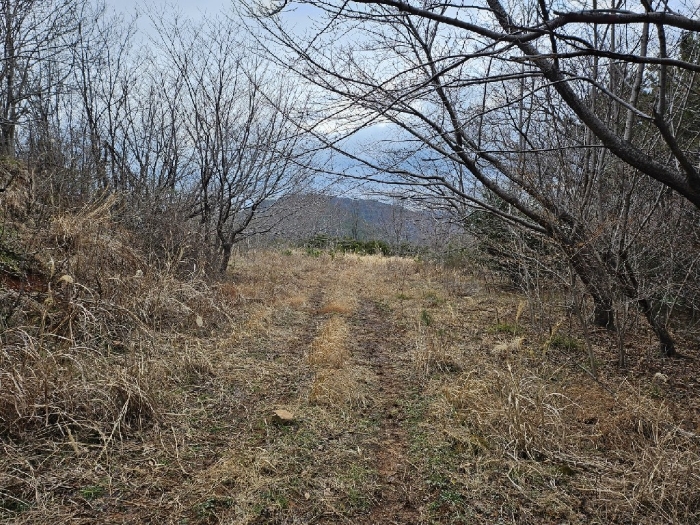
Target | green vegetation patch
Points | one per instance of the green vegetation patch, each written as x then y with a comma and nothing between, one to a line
564,342
92,492
505,328
345,245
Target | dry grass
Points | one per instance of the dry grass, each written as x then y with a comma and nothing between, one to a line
340,388
51,390
133,393
329,349
336,307
434,351
335,381
607,455
553,443
88,355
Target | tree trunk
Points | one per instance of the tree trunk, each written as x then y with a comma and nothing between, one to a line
631,287
603,316
7,140
667,347
591,278
225,257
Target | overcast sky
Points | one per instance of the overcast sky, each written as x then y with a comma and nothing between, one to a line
298,16
189,7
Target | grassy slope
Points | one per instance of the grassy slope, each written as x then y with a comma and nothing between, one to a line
419,395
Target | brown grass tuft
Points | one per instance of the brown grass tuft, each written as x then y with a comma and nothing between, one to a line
336,307
340,387
296,301
49,389
624,450
433,351
329,349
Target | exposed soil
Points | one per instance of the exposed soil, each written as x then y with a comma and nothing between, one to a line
400,488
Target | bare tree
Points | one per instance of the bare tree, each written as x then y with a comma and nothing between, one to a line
567,47
561,116
239,117
36,35
105,78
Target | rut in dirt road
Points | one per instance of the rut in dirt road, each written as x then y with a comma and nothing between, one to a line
380,348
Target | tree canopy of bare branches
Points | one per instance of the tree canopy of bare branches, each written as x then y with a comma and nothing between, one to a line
573,115
36,38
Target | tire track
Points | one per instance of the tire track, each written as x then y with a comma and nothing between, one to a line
379,347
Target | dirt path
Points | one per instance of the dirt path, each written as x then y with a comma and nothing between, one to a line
382,350
401,394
